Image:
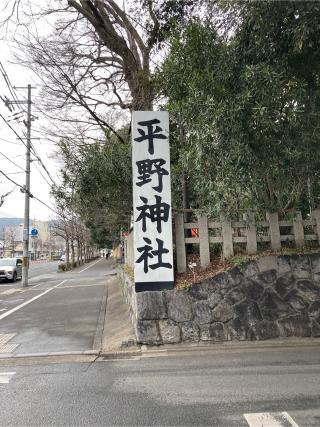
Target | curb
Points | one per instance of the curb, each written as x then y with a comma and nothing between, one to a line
176,349
49,358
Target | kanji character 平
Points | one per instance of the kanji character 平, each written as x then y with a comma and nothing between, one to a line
148,252
156,213
148,167
151,135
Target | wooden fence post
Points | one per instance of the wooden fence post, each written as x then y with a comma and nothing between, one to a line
274,230
180,243
298,230
251,231
316,217
204,241
227,232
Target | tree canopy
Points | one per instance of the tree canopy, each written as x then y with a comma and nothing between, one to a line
249,104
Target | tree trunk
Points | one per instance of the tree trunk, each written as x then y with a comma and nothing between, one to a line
67,252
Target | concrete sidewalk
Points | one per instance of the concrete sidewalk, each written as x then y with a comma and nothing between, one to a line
118,334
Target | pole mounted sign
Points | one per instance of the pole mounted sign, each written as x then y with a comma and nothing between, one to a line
153,258
34,232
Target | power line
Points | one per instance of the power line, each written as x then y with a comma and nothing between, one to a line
9,85
33,149
31,195
12,161
45,179
15,97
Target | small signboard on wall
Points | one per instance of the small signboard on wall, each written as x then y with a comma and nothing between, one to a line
153,256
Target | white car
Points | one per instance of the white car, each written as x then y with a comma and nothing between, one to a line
10,269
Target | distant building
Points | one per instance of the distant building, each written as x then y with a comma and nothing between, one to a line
44,244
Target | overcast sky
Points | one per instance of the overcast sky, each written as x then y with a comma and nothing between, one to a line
14,149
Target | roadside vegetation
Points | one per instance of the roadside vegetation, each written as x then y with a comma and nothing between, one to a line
241,81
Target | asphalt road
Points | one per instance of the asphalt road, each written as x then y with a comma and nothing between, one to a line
58,312
213,388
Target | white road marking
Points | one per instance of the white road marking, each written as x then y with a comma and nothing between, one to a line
2,316
35,286
8,348
90,266
10,291
5,377
84,286
270,419
4,338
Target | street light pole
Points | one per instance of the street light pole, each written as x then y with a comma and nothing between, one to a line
25,258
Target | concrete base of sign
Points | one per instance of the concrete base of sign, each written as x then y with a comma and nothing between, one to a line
153,286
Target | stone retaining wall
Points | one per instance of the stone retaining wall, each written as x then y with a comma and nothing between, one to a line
268,298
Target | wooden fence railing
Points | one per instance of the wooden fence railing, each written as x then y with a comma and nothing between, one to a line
247,232
128,250
230,233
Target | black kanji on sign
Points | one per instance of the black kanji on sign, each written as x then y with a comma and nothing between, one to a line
151,134
156,213
148,167
147,252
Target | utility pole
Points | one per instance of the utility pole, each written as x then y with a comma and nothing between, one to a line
26,187
25,258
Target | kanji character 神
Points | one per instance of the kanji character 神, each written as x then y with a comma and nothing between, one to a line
152,133
156,213
148,167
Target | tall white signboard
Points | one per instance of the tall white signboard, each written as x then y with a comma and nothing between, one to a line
153,257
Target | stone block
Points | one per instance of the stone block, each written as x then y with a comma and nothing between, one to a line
315,267
267,263
265,330
219,283
284,284
190,331
235,296
253,289
248,312
236,330
204,333
314,309
249,269
179,306
284,265
148,332
308,289
272,306
199,290
315,329
267,277
315,262
217,332
301,266
202,312
169,331
296,301
213,332
295,326
223,312
214,299
151,305
235,276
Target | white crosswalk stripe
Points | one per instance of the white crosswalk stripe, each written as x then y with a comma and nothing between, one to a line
5,377
270,419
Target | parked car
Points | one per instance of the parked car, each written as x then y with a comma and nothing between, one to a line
10,269
63,258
